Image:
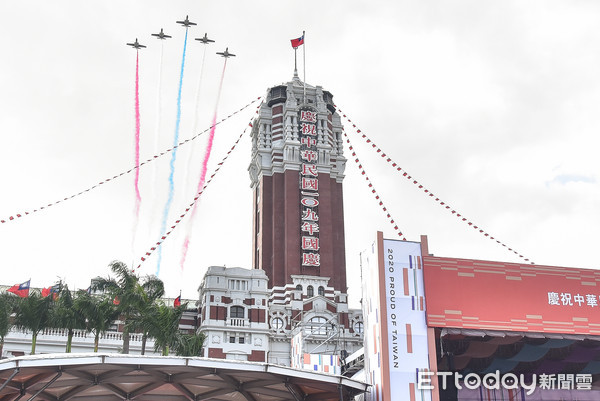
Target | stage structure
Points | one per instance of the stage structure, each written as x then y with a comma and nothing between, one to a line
441,328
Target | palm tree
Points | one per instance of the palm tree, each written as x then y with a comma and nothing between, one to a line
188,344
124,291
133,298
6,307
33,313
166,326
66,315
151,290
99,312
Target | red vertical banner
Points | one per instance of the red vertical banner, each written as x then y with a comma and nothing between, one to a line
309,187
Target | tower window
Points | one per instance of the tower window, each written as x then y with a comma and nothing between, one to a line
236,312
321,290
310,291
299,287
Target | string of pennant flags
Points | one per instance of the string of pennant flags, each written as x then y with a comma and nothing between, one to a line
134,168
191,205
430,194
372,188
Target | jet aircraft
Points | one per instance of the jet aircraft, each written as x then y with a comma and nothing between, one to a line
161,35
226,53
205,39
136,44
186,22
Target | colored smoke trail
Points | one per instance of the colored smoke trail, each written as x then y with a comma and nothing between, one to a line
211,138
157,129
192,152
138,197
163,226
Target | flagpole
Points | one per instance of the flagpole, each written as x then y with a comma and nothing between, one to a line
295,63
304,63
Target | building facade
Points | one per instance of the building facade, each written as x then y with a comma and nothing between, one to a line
297,285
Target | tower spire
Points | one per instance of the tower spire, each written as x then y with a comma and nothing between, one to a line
295,64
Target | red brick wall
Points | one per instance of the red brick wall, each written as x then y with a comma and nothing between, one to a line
216,353
257,356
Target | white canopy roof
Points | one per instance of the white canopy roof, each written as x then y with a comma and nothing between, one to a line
109,377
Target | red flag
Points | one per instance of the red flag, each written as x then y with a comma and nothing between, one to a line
298,42
21,290
51,290
177,302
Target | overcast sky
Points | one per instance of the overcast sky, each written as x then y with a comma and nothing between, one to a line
493,106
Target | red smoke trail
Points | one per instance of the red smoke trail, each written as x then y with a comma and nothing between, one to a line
138,198
209,145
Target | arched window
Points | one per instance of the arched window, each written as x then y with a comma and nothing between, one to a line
236,312
299,287
321,290
310,291
318,325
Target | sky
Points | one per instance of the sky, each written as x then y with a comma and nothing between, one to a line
492,106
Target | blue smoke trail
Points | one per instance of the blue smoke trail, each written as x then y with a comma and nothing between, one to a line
163,226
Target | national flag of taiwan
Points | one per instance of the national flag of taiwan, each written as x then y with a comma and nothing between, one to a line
177,302
51,290
298,42
21,290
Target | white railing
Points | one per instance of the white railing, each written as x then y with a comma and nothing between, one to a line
237,322
109,335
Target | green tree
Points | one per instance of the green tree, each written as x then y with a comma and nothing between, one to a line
33,313
131,296
99,312
188,344
6,307
124,291
150,291
166,326
66,314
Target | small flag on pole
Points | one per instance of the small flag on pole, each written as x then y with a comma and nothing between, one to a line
21,290
177,302
298,42
51,290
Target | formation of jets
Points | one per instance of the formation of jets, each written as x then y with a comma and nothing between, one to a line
186,23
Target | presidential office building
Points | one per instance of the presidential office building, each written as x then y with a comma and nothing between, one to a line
295,295
291,306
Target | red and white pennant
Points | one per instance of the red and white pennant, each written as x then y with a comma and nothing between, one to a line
427,191
22,214
191,205
377,197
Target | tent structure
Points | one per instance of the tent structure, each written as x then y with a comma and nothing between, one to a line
108,377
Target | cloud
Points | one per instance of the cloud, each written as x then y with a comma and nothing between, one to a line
564,179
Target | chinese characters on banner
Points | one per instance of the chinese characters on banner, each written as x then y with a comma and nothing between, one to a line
309,189
568,299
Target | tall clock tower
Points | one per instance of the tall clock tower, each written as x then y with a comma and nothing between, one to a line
297,169
292,307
